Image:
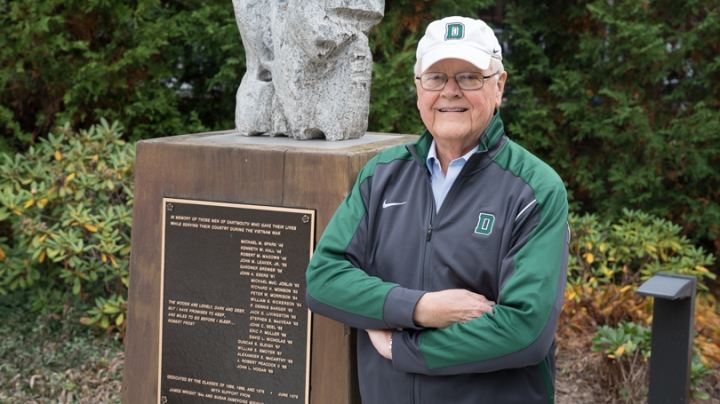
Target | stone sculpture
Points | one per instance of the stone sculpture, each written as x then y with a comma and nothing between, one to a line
308,67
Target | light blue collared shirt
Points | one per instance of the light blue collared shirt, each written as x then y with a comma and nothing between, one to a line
442,183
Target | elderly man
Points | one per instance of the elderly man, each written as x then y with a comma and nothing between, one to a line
451,252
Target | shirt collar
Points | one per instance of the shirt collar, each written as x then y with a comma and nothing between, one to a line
432,157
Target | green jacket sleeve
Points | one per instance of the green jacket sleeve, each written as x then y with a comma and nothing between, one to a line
338,288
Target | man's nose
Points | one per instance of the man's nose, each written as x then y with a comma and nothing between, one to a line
451,88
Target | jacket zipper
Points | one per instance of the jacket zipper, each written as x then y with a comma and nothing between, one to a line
428,241
416,383
425,274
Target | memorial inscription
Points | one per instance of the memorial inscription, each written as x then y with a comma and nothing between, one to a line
234,324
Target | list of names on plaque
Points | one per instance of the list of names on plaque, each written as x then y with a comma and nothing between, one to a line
235,326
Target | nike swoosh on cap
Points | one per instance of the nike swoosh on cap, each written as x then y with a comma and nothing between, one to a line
386,204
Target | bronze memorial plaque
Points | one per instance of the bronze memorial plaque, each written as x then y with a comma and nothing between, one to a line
234,323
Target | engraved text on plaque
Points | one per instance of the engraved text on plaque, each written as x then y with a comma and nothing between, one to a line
235,327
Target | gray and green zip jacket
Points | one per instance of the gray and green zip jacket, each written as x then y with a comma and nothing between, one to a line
501,232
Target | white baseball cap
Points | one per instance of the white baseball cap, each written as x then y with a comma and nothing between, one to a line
459,38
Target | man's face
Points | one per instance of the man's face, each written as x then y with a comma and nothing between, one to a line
457,116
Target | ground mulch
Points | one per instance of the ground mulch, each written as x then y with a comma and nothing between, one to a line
93,383
581,380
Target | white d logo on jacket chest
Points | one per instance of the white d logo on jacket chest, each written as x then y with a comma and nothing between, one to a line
485,224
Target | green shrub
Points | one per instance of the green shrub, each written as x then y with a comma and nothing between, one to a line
627,340
631,250
609,260
66,204
626,350
698,370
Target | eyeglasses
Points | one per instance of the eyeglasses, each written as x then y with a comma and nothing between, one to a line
467,81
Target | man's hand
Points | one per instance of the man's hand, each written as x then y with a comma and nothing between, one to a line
381,341
447,307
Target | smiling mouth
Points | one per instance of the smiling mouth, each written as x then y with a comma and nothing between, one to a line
453,109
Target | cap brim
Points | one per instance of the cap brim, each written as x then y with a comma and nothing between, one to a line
478,58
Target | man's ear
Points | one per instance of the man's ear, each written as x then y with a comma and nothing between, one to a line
417,83
418,89
500,88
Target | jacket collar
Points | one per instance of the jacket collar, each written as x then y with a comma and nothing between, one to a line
488,140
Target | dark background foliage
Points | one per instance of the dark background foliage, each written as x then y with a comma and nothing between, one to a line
620,97
623,101
160,68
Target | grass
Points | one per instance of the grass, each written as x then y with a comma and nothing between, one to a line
48,359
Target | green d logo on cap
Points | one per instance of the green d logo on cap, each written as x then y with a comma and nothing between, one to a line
454,31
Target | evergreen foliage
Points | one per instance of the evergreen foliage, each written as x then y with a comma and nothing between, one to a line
160,68
621,98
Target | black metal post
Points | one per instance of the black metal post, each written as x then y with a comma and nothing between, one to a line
672,334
